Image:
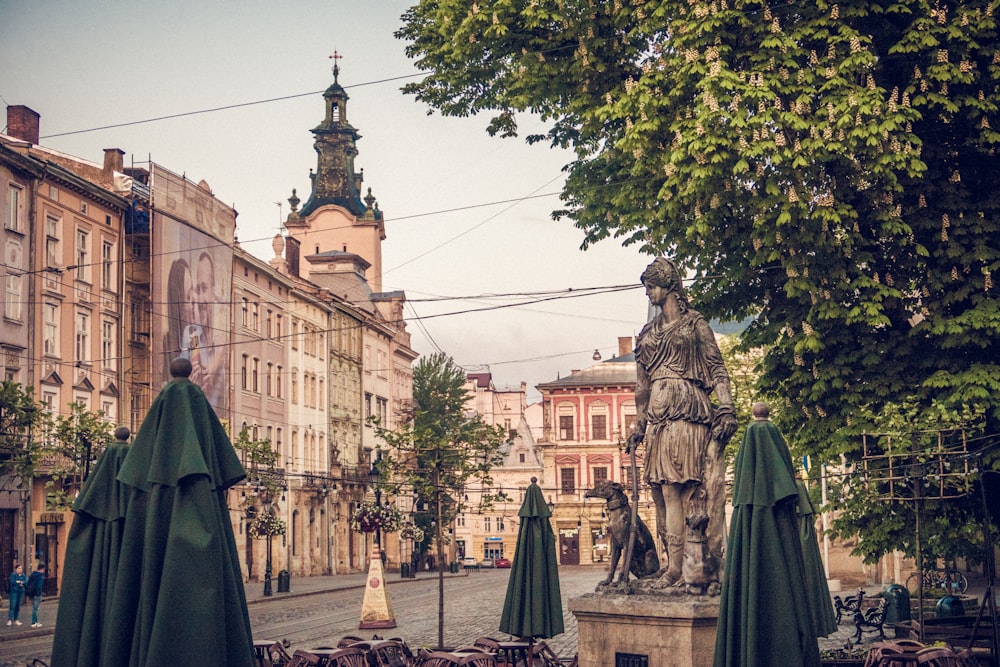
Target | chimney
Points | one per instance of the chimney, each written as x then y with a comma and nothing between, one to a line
22,123
114,161
624,345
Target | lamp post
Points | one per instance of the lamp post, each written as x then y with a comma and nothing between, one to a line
373,476
267,563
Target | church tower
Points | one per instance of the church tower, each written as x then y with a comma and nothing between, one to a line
336,222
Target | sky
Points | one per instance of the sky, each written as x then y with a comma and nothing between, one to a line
439,181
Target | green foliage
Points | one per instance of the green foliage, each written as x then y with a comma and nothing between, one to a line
75,442
442,448
916,463
22,421
265,480
829,169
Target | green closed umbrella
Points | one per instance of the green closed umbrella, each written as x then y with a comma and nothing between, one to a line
764,619
533,606
178,596
91,564
817,591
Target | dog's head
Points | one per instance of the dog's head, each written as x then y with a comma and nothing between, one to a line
605,489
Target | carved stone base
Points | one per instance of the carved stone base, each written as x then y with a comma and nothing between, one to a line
671,631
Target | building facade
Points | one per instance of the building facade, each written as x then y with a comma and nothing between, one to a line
587,417
112,271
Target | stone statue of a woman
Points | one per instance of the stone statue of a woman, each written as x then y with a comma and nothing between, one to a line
679,367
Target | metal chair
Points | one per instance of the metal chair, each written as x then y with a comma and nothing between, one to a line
304,659
938,656
277,655
347,657
491,645
348,640
388,653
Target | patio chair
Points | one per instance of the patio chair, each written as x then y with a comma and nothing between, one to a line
304,659
347,657
388,653
938,656
488,643
348,640
277,655
543,656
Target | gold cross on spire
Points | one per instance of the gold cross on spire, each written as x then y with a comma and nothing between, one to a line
336,66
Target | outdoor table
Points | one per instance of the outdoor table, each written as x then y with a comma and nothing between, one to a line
515,652
260,647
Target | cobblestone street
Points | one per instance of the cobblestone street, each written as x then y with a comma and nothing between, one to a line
320,610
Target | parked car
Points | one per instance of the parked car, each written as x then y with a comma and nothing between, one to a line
486,562
470,561
502,562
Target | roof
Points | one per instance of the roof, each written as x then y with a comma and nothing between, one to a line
617,371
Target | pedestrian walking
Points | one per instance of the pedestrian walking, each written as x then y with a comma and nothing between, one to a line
33,589
17,583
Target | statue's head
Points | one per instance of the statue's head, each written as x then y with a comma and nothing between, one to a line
663,273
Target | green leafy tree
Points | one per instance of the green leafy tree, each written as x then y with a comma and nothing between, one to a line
829,169
22,421
265,482
439,452
75,442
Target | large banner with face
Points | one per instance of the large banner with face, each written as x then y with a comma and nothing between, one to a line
192,283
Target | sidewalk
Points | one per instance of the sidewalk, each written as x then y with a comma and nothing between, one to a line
299,587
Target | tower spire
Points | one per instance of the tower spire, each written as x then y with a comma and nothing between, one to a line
336,65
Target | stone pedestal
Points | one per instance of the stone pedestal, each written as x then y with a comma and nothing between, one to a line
669,630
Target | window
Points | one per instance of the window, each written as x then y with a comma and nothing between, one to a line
382,406
82,336
50,339
107,264
520,457
568,477
243,372
500,524
255,376
278,381
108,408
12,306
277,326
82,238
246,312
13,220
268,322
108,355
255,317
487,524
269,379
600,474
52,241
368,408
565,427
295,335
295,386
630,422
598,427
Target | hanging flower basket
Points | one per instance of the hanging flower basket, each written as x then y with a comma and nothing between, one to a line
266,524
369,517
411,531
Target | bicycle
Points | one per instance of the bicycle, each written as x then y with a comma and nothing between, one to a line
944,578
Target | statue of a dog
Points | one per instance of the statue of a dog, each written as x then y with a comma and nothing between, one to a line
644,561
